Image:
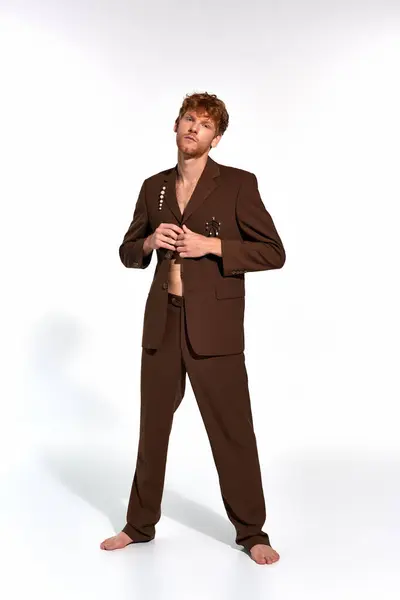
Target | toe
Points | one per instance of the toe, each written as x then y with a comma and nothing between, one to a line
274,558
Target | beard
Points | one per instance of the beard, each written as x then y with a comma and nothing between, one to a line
192,149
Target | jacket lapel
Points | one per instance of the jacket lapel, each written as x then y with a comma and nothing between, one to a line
206,184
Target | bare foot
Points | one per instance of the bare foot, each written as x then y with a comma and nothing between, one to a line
116,541
263,554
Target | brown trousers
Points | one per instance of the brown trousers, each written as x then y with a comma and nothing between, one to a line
220,386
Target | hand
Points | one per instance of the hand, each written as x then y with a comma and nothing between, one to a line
164,236
192,245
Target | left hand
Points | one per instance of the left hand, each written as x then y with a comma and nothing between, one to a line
191,245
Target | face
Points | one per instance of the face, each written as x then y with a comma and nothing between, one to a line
200,127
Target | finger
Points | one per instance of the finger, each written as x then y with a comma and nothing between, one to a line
165,242
171,234
166,245
171,226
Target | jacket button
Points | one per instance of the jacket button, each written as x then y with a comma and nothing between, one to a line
168,254
165,286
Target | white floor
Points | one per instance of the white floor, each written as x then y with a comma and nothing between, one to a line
334,522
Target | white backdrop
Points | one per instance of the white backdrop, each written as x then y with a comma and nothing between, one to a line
89,94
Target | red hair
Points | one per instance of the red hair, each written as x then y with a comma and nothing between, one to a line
204,102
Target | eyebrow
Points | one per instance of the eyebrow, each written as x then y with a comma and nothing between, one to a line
204,118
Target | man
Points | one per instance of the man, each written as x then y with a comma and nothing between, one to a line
209,226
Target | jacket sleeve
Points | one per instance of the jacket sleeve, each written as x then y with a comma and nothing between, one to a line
261,247
131,249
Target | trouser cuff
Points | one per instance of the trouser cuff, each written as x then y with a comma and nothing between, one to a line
135,535
255,539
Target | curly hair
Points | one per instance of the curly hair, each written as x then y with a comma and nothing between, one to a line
204,102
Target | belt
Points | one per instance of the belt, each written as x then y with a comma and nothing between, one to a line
175,299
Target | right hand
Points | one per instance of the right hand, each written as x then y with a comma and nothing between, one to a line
164,236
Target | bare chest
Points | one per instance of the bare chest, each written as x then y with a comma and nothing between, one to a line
183,195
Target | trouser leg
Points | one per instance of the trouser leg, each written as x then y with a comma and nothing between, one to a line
162,386
220,385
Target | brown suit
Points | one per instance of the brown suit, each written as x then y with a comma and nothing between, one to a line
213,286
201,334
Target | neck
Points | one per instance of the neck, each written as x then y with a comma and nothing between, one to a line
190,169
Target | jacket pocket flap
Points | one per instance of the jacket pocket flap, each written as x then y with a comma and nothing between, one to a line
230,288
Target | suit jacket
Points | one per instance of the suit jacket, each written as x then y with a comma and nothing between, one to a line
225,203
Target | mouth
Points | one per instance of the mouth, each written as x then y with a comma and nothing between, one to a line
188,137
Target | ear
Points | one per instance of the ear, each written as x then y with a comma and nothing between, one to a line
216,141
